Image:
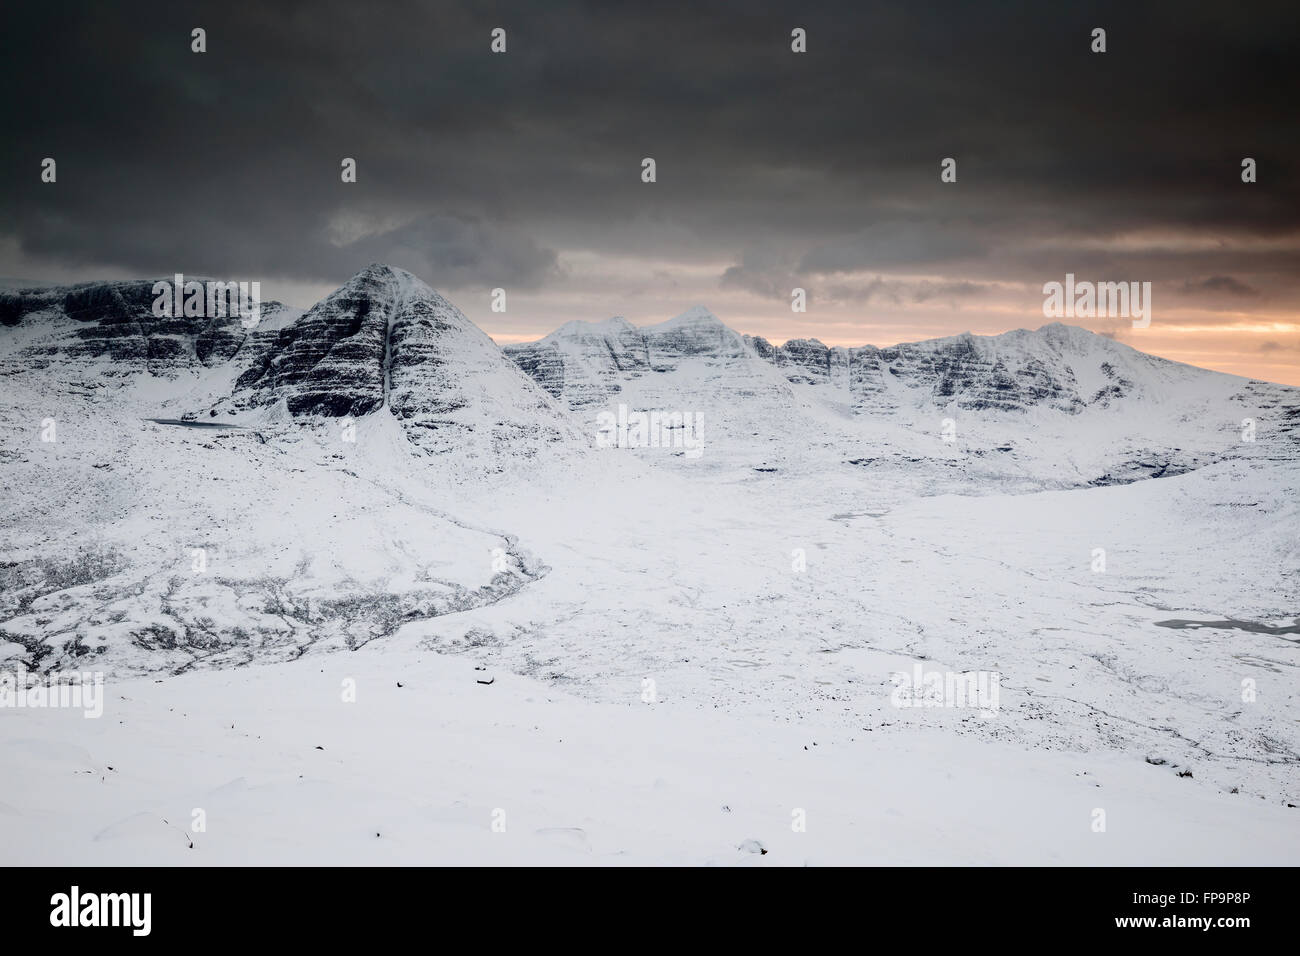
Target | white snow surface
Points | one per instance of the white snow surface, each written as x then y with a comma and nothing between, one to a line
768,590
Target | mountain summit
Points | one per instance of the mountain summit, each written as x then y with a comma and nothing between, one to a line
382,342
384,339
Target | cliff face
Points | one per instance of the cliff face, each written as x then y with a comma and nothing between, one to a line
331,360
1057,401
383,341
114,323
970,373
584,363
1058,367
386,340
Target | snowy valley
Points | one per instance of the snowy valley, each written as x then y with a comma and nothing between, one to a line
366,587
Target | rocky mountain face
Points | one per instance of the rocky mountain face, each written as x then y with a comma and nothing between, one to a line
1058,367
1059,404
114,322
804,361
386,340
1048,409
331,361
1015,372
585,363
132,443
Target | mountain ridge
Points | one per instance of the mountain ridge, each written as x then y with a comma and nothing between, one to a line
20,298
386,341
1001,372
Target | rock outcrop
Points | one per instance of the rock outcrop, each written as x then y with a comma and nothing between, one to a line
114,323
387,340
586,363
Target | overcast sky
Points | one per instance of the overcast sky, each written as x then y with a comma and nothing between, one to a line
775,169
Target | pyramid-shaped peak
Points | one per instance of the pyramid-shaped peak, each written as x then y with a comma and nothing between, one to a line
392,278
384,270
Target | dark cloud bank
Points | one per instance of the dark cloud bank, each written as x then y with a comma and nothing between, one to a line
477,169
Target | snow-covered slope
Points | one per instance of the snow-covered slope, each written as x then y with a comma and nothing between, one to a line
385,340
431,767
168,501
375,477
1056,407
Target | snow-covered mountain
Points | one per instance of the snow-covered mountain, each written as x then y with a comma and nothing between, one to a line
1059,404
109,330
186,490
587,363
376,476
385,340
1061,367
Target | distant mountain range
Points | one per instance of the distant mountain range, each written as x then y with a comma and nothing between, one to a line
356,455
1059,397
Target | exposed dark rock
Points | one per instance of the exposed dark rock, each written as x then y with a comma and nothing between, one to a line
331,361
115,321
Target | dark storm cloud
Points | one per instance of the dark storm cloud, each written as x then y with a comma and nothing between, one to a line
1224,284
763,271
925,291
475,169
898,243
461,252
877,289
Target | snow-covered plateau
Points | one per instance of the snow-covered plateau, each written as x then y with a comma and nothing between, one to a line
365,587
